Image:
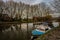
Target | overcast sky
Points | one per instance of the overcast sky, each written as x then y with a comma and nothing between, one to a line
32,2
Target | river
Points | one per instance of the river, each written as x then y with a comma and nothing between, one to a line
17,32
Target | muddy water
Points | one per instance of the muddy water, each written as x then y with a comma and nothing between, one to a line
18,32
15,32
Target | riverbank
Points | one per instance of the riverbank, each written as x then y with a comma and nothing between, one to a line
53,34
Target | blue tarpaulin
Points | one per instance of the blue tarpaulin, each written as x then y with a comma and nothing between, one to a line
35,32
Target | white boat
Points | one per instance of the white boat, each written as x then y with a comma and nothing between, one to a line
40,29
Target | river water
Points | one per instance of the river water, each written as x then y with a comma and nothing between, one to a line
19,32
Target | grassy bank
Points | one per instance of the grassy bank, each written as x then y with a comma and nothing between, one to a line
53,34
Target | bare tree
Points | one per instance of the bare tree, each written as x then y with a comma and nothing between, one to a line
45,9
1,6
56,5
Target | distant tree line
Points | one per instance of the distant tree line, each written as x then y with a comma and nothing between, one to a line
14,11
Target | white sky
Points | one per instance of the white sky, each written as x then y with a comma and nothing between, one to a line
32,2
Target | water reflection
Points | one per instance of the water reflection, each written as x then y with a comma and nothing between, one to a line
18,32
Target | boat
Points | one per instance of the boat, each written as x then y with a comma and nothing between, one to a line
40,29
